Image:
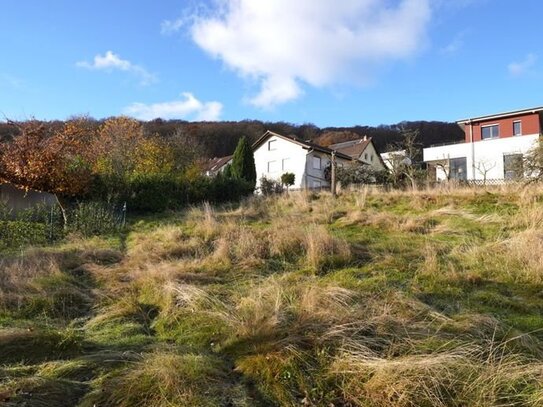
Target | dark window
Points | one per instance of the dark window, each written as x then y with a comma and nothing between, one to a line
513,167
458,168
490,131
517,128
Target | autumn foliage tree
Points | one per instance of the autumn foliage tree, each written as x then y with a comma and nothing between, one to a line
115,161
48,159
115,145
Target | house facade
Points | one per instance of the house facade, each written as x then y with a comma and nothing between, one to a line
361,150
493,148
276,154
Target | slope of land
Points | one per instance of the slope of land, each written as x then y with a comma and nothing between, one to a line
431,298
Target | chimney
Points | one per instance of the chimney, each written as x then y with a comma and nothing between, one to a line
365,138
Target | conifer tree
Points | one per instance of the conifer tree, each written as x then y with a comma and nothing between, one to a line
243,162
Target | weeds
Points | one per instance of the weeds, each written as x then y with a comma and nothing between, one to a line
419,298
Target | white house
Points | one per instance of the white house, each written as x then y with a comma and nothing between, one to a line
276,154
492,150
362,150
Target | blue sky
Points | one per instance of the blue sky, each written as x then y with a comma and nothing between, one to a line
328,62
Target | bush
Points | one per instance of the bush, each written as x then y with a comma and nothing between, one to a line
156,193
360,174
18,233
96,218
270,186
288,179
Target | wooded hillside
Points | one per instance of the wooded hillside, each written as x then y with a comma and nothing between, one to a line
220,138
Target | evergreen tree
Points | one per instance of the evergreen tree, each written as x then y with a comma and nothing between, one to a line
243,162
227,173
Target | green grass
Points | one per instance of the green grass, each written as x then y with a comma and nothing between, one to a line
373,299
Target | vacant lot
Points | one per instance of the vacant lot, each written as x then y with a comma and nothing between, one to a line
430,298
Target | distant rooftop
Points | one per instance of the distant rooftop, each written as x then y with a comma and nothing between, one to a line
353,148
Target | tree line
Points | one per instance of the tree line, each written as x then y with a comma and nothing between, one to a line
218,139
115,160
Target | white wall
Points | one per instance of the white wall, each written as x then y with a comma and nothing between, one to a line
19,199
373,158
286,156
487,153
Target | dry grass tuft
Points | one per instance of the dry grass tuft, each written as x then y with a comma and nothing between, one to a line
165,242
168,379
526,249
466,375
18,274
324,250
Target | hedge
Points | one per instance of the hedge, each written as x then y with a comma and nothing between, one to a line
19,233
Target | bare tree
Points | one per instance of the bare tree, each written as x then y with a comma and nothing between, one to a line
483,167
531,165
445,167
406,163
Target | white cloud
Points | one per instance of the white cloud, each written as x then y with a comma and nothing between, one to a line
187,108
455,45
171,26
111,61
522,67
283,44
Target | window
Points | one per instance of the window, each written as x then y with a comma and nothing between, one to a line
371,157
315,184
272,145
513,168
492,131
366,156
517,128
285,164
272,166
458,168
316,163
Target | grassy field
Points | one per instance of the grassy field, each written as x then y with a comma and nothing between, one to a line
429,298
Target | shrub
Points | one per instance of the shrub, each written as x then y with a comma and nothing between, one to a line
160,192
288,179
270,186
18,233
96,218
154,193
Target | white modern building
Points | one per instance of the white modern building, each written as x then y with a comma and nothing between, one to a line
493,148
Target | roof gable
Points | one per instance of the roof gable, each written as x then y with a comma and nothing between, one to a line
353,148
217,163
304,144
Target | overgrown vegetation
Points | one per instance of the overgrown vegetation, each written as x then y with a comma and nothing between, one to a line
425,298
96,171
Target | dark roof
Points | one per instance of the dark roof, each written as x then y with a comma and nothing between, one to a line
215,164
305,144
353,148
